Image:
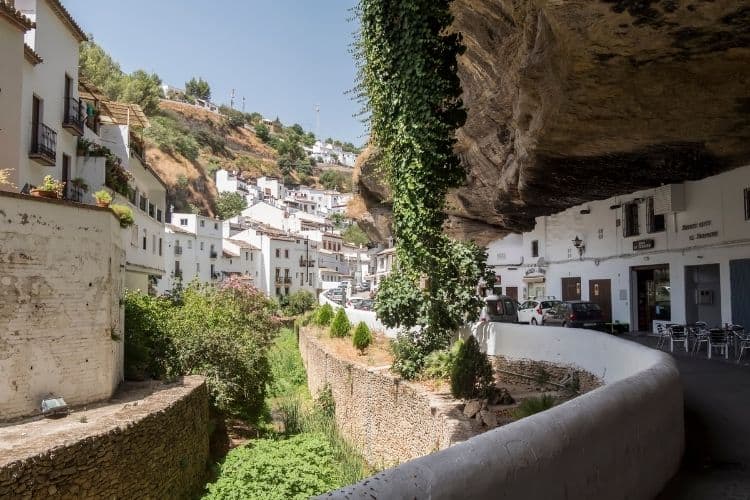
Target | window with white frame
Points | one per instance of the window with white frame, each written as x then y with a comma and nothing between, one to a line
183,222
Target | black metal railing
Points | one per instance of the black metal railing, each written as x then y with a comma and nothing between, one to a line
75,115
212,254
44,145
178,250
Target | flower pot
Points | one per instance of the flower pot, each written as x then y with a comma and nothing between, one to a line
102,204
40,193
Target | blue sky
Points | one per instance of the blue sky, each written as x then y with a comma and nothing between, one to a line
284,56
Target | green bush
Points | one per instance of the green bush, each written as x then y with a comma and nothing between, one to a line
340,325
408,358
362,337
438,364
471,374
296,467
324,315
534,405
288,376
171,137
124,213
300,302
149,352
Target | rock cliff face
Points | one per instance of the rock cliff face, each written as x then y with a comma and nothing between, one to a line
570,101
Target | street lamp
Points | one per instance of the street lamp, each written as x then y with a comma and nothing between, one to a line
578,243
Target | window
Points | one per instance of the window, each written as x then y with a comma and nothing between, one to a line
153,243
286,254
142,203
747,203
151,210
190,243
247,255
278,253
201,246
630,227
535,248
251,257
278,291
177,267
286,290
655,223
216,225
158,214
197,267
134,236
145,240
213,270
183,222
203,223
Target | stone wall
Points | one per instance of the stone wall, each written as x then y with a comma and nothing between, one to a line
155,448
387,419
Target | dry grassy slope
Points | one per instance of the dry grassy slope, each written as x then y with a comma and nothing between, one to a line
243,152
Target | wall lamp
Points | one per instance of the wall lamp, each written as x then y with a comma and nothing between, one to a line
578,243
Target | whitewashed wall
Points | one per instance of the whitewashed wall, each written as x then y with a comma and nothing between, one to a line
11,81
61,279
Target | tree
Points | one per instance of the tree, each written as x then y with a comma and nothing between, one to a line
340,325
471,373
362,337
199,89
354,235
297,129
143,89
230,204
99,68
262,132
332,179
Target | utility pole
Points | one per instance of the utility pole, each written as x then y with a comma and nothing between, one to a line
243,103
231,100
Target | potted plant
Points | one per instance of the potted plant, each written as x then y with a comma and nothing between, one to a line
124,213
49,188
103,198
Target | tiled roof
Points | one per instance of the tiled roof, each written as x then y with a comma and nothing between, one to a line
31,56
177,229
387,251
89,91
229,253
10,14
67,19
121,113
243,244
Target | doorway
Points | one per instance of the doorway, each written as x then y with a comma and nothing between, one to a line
571,289
703,294
512,292
739,275
652,296
600,293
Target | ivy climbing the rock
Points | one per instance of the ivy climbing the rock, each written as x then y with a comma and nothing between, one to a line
413,93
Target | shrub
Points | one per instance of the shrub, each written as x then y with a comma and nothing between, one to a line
325,402
438,364
362,337
408,358
534,405
124,213
149,352
169,136
324,315
288,376
300,302
340,325
103,196
471,374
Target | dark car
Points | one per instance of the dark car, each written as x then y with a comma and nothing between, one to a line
575,314
499,308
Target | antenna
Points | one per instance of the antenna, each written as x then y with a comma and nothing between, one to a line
231,100
243,103
317,121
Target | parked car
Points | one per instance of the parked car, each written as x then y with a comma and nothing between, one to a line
499,308
575,314
532,311
337,295
354,302
367,305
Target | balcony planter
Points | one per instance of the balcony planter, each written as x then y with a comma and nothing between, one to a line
49,188
125,214
103,198
42,193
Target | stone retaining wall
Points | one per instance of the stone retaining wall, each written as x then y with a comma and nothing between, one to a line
153,448
387,419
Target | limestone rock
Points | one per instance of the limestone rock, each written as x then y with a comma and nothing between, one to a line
472,408
574,101
501,396
489,418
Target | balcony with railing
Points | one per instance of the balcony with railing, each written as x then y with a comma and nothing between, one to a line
306,263
178,250
74,117
283,280
44,146
213,254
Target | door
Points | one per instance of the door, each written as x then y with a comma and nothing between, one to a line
703,294
571,289
512,292
67,191
739,276
36,118
600,293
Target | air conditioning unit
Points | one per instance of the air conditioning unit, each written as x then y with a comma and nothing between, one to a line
669,199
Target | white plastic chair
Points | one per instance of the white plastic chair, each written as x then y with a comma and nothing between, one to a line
677,334
717,339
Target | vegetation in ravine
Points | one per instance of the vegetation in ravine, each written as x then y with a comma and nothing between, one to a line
230,204
409,79
531,406
306,457
340,326
362,337
323,315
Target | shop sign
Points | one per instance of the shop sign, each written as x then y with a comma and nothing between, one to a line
700,235
643,244
535,270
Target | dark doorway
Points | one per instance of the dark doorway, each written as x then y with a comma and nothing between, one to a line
703,294
600,293
571,288
512,292
739,276
67,191
36,118
653,296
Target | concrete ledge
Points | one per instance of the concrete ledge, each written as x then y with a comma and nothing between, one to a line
623,440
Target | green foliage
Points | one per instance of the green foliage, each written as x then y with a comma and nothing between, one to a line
323,315
325,402
300,302
408,355
355,235
233,117
143,89
471,374
149,352
229,204
362,337
103,196
116,177
340,325
439,364
409,77
263,133
212,140
124,213
333,179
534,405
288,376
297,467
171,137
221,333
198,88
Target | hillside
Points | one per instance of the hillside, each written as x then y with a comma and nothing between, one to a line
187,144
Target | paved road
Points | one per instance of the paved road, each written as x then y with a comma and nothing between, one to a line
717,421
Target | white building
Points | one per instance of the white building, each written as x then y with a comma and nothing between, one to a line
241,258
193,250
384,263
331,154
270,188
678,253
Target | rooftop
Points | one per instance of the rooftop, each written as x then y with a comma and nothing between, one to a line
10,14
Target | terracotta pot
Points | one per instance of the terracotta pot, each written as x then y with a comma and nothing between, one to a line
102,204
39,193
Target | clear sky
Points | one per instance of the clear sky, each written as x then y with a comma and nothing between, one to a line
283,56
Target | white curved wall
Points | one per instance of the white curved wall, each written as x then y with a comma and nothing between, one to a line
356,315
623,440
